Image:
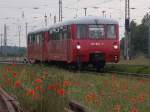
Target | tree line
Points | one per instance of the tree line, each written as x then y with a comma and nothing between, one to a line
139,39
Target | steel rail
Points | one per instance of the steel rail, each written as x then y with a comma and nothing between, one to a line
10,103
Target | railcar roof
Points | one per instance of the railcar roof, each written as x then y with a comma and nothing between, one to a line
81,20
39,30
86,20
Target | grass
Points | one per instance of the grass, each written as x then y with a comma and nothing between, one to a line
48,89
129,68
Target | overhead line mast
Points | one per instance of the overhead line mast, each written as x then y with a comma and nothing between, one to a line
60,10
127,29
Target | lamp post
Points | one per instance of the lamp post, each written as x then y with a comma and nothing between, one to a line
1,42
103,12
85,10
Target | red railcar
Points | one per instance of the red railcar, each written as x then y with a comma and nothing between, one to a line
86,40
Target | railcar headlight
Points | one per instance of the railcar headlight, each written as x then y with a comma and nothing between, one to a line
115,46
78,47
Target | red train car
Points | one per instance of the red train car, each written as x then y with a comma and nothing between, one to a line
82,41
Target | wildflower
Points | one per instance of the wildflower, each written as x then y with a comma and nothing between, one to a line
101,93
117,108
52,87
8,69
141,98
17,84
61,92
106,82
141,81
38,81
67,83
91,97
14,74
14,64
134,109
31,92
38,88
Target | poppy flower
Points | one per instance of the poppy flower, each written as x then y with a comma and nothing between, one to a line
134,109
141,98
106,82
91,97
8,69
17,84
61,92
14,64
51,87
31,92
101,93
38,81
14,74
141,81
38,88
67,83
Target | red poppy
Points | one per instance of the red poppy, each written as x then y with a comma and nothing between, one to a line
141,81
8,69
101,93
14,64
38,88
91,97
134,109
52,87
67,83
106,82
38,81
14,74
17,84
31,92
61,92
141,98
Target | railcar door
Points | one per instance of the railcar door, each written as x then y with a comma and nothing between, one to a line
67,43
45,46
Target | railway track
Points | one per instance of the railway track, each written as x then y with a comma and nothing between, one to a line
8,103
87,70
11,62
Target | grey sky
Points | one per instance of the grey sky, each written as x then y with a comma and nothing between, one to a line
11,13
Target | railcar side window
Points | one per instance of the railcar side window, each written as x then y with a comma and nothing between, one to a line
66,32
81,31
33,39
96,31
111,31
38,39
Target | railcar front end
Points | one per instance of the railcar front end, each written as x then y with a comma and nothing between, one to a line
96,44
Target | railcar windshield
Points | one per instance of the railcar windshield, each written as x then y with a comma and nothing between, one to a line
96,31
111,33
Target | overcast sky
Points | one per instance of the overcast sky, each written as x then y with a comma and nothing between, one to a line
17,12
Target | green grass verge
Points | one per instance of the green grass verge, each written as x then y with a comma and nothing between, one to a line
98,92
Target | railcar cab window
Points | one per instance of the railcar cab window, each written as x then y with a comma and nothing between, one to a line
55,34
33,39
29,39
111,33
66,32
96,31
39,38
81,31
60,33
